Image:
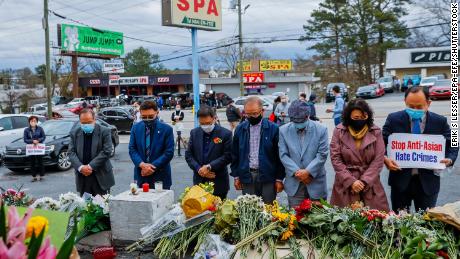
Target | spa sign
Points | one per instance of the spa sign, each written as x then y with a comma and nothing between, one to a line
200,14
82,39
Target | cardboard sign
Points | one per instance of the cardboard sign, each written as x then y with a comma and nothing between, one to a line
417,150
35,150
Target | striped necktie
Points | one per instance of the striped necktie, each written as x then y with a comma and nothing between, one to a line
147,144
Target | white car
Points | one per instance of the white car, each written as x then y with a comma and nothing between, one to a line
76,101
267,103
12,127
428,81
387,83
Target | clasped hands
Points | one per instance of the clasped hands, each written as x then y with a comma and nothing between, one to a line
205,172
86,170
303,176
147,169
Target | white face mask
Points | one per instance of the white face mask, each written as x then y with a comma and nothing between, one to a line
207,128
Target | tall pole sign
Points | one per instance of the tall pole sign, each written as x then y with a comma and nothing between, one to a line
195,15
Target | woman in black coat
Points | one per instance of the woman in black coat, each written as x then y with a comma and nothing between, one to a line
35,134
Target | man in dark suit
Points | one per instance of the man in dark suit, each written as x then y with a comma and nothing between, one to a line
151,148
418,185
89,151
209,152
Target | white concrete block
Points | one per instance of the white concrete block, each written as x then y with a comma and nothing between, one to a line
129,213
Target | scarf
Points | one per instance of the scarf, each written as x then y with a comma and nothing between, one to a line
358,136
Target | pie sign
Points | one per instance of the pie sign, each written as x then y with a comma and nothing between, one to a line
253,78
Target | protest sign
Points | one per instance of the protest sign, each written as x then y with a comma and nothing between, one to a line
35,150
417,150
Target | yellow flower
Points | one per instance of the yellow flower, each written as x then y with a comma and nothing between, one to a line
286,235
36,225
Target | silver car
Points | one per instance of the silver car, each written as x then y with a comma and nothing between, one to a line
267,103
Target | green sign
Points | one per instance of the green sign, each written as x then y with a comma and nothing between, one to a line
89,40
199,22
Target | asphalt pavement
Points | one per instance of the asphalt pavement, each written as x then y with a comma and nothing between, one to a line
56,182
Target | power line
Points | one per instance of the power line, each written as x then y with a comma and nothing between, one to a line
300,39
124,36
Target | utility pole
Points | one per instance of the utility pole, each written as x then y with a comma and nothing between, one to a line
48,62
240,38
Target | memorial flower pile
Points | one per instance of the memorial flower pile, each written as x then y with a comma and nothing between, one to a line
92,212
312,229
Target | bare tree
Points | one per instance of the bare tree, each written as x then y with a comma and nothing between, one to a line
440,13
229,56
203,63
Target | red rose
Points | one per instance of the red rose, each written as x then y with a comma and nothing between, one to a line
212,208
443,254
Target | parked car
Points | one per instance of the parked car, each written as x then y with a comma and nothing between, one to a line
428,81
57,145
439,76
12,127
405,82
76,108
370,91
95,100
58,100
268,105
440,89
330,95
120,117
76,101
387,83
38,107
56,114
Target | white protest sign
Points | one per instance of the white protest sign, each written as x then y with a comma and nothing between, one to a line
417,150
35,150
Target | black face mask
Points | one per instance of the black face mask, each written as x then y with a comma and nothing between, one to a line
255,120
149,123
358,125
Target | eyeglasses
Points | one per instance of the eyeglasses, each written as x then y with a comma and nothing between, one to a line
148,117
253,114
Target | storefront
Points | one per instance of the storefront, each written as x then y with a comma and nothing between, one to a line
138,85
418,61
265,85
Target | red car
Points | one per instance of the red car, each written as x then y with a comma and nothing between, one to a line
77,108
440,90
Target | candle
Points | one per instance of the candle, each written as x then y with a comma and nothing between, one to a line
145,187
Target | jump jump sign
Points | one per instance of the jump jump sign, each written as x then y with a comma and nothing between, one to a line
35,150
417,150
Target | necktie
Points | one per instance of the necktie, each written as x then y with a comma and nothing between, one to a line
147,144
416,126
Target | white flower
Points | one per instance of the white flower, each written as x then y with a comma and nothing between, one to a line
70,201
46,203
102,203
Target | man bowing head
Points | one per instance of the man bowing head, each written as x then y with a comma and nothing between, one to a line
151,148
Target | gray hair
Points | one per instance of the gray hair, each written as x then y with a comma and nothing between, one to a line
87,110
254,99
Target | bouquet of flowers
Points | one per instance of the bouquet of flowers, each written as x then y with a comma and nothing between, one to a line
12,197
94,217
24,237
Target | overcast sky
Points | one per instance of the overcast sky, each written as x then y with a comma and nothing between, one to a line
22,36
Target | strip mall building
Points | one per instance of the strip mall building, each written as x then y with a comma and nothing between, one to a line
418,61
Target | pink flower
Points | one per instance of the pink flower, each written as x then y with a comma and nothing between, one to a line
17,226
17,251
11,191
47,251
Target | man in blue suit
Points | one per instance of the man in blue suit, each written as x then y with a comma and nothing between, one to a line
209,152
412,184
151,148
303,149
256,164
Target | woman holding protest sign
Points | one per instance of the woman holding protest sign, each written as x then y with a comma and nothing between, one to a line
357,155
34,135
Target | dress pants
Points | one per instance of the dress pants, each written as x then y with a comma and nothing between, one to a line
299,196
402,199
91,185
36,166
264,190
